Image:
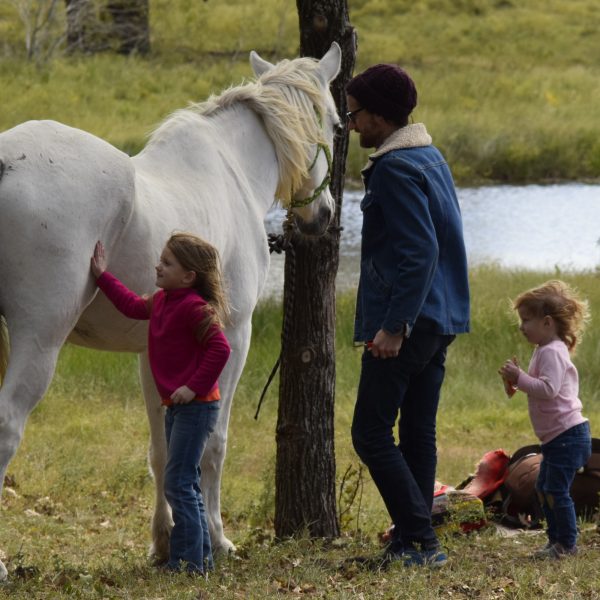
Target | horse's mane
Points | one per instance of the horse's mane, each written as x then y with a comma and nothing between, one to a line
290,101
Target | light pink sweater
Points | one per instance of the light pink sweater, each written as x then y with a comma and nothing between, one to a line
552,388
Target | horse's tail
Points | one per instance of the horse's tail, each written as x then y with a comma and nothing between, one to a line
4,348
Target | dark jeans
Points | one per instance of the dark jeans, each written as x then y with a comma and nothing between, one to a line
188,427
561,458
405,473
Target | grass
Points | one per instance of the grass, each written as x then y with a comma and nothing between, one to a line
506,88
78,523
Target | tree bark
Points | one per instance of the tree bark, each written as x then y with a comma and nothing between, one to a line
122,25
305,494
81,25
130,25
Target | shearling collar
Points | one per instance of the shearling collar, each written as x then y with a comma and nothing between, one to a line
411,136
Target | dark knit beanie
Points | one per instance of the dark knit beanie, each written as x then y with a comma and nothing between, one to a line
385,90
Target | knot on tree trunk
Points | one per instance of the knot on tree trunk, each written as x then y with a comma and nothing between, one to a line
320,23
291,432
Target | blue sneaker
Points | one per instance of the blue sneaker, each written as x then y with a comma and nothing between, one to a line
554,551
424,558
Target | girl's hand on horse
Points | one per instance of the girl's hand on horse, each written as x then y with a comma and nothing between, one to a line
98,260
183,395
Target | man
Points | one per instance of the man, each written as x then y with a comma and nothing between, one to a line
413,298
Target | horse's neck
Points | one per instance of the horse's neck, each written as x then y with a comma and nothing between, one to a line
245,143
236,135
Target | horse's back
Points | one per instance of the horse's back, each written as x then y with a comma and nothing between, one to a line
46,165
61,189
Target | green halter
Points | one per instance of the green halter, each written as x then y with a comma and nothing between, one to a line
296,203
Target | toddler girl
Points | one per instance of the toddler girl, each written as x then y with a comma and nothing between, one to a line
552,318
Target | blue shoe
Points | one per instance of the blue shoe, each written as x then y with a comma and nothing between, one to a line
554,551
424,558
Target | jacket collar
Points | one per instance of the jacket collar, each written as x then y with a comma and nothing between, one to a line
410,136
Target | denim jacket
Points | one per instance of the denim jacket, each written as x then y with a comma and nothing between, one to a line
413,270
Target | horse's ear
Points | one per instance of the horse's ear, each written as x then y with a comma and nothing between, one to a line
259,65
330,63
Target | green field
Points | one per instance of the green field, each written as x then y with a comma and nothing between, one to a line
82,470
508,89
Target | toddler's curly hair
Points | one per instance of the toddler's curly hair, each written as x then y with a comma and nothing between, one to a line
561,302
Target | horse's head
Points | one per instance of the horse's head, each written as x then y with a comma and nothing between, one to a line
312,117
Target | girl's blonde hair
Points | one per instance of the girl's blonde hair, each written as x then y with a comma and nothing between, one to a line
561,302
195,254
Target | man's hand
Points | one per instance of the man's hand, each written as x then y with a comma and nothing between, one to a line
386,345
183,395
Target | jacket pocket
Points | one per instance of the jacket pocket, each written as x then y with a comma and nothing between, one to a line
367,200
376,279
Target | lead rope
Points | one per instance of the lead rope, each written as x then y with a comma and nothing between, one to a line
282,243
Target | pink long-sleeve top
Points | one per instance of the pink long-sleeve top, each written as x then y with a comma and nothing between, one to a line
176,355
552,388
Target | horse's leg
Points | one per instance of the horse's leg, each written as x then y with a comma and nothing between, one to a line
157,459
214,455
33,354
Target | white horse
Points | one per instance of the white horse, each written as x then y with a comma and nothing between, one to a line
214,169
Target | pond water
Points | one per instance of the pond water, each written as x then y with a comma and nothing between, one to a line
529,227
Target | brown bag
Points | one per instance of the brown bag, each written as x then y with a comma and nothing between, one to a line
520,505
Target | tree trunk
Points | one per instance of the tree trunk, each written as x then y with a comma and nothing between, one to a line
122,25
81,25
130,25
305,494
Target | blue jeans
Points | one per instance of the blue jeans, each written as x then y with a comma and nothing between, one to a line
404,474
561,458
188,427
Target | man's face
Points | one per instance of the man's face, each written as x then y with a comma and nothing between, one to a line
372,129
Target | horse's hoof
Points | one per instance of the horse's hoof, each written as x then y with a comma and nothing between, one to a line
158,556
158,562
225,547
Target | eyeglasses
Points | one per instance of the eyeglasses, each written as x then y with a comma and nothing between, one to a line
351,116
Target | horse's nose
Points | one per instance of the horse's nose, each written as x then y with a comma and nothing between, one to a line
318,224
326,214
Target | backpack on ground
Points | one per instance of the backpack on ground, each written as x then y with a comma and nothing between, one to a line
508,492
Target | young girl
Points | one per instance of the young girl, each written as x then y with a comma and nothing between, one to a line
552,318
187,352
